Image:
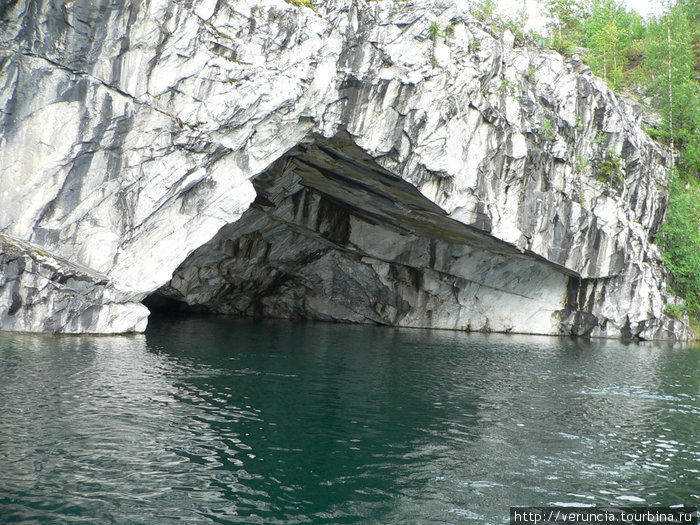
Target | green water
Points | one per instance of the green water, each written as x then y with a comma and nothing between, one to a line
214,421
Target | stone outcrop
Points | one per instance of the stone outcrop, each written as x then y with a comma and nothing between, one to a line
341,163
41,293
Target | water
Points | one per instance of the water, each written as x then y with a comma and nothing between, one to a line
207,420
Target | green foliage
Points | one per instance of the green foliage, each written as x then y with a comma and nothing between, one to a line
610,171
547,129
580,164
610,33
679,240
690,151
691,10
508,87
605,56
671,64
485,10
517,28
474,46
677,98
530,74
434,30
662,55
651,131
567,16
300,3
695,326
674,310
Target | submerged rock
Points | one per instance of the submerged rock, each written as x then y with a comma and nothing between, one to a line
253,158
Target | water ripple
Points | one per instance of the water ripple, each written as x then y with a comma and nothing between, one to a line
234,422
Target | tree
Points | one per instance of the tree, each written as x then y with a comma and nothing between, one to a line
691,10
669,62
606,44
680,243
610,33
567,16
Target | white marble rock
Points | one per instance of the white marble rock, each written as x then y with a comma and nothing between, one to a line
132,135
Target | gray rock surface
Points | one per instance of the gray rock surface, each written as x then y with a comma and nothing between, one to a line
463,182
43,293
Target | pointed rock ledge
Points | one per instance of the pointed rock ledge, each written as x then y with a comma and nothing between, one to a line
253,158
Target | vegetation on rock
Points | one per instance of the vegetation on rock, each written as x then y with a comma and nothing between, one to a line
300,3
610,171
679,240
661,58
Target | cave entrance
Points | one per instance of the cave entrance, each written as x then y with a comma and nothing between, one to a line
333,236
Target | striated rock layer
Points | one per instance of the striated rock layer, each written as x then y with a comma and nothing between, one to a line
41,293
253,158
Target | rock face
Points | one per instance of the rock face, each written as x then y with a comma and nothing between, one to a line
41,293
254,158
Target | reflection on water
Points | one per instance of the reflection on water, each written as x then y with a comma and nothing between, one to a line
276,422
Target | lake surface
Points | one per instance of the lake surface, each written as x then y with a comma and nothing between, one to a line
219,421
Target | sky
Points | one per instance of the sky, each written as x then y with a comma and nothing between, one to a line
536,12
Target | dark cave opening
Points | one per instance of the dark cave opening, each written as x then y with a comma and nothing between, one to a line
334,236
164,307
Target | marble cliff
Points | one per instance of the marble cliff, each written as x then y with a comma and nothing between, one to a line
253,158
